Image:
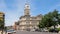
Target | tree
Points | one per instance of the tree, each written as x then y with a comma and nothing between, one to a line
2,21
1,25
50,19
46,21
58,18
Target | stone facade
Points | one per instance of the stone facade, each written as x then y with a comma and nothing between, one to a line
28,22
2,16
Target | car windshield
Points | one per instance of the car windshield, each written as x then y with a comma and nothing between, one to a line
10,30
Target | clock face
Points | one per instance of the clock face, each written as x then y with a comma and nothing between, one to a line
27,6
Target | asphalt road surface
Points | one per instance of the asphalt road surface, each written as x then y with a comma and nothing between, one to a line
24,32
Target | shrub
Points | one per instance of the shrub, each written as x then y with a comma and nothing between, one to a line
58,29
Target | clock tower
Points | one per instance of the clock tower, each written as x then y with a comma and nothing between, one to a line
27,9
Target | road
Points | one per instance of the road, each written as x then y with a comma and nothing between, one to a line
24,32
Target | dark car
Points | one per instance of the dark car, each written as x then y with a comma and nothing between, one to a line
54,30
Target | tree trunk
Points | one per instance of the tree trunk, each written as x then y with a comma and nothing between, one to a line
54,27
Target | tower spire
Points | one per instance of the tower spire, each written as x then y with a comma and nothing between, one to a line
27,8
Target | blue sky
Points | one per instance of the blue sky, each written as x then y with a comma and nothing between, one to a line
13,9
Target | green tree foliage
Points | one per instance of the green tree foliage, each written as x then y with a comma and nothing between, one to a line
2,23
58,18
50,19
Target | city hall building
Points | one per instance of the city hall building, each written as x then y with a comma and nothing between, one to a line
27,22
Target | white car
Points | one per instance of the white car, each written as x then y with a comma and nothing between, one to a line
11,31
32,30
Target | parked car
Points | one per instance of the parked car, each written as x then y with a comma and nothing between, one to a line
41,30
54,30
11,31
33,30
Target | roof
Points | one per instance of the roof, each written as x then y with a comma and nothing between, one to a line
1,12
